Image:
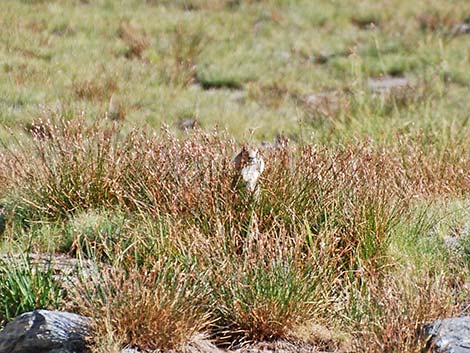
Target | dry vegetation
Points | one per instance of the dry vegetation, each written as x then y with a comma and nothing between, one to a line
189,254
343,249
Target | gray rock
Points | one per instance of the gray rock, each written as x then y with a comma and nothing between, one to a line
462,28
43,331
200,344
189,124
450,335
285,55
458,239
238,96
385,84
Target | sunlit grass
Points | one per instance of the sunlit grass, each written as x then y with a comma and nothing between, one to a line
358,235
164,59
330,231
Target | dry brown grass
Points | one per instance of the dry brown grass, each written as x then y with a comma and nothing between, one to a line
38,130
272,96
397,307
439,20
315,242
158,307
81,167
97,89
136,41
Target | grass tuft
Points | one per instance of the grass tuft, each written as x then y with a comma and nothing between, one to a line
98,89
184,252
161,307
136,42
25,286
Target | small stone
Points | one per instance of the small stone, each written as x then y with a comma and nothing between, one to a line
238,96
189,124
316,98
462,28
285,55
387,83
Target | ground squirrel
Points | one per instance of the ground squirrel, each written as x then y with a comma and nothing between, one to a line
249,165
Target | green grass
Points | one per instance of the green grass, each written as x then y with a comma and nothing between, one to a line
57,56
346,245
25,287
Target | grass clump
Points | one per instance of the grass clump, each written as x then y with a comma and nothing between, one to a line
26,286
264,303
186,46
395,307
96,235
96,89
159,306
136,42
264,299
330,238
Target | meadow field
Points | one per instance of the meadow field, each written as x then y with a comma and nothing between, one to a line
119,122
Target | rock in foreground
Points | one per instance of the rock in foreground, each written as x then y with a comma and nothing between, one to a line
450,335
43,331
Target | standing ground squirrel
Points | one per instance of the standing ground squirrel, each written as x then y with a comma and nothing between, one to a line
249,166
